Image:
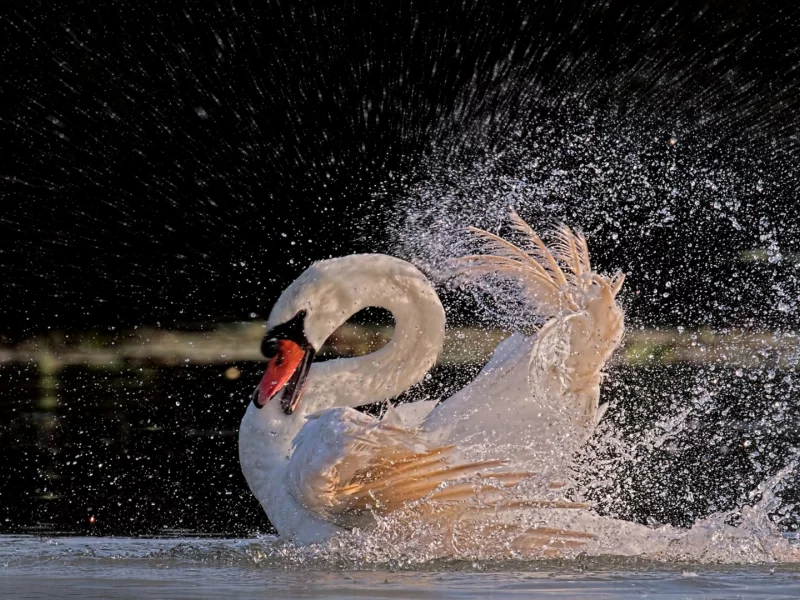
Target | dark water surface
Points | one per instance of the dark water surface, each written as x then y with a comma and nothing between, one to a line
151,450
148,449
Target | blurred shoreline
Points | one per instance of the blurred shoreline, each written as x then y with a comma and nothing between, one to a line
240,341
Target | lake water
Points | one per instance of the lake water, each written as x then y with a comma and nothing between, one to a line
146,449
149,450
33,567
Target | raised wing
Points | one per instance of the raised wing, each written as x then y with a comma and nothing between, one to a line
540,393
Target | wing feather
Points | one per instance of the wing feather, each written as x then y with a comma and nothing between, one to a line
504,248
568,291
566,250
539,248
347,466
538,267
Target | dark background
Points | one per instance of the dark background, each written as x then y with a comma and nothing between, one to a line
177,165
181,163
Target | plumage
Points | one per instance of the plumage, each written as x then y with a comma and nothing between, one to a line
551,381
538,249
488,451
347,466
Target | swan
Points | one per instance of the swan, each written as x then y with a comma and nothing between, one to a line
319,467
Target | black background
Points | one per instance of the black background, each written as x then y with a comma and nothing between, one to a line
181,163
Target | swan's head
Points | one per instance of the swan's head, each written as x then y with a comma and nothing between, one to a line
289,356
309,311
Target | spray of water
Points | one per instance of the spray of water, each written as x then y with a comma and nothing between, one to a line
699,456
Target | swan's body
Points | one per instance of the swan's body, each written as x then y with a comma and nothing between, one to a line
347,284
324,466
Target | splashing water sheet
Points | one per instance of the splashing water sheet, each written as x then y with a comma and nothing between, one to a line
172,169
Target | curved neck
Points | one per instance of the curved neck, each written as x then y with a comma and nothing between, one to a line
351,284
415,345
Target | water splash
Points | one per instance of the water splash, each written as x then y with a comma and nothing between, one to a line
696,442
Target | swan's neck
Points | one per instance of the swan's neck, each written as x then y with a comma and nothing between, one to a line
343,287
402,362
265,443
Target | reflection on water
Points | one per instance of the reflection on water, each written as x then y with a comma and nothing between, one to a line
152,449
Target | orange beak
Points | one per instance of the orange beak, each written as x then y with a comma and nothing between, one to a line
290,364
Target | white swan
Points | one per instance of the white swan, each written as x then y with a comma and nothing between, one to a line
308,311
317,466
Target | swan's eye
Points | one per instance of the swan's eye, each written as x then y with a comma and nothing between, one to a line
270,347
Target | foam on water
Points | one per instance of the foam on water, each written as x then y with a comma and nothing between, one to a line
365,552
402,541
106,568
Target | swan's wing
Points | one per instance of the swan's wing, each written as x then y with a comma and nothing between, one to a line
494,405
348,466
543,391
333,447
560,283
